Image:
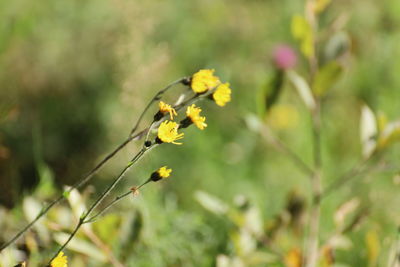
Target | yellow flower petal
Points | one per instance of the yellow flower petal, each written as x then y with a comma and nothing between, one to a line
193,113
166,108
164,172
222,95
168,132
59,261
204,80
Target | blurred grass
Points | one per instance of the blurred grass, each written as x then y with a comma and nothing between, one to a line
74,76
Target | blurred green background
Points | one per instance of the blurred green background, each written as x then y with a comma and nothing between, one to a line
75,75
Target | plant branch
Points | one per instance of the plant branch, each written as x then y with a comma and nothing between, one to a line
109,205
82,219
311,258
280,146
362,167
90,174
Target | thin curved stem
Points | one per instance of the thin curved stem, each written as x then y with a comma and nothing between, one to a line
282,147
82,219
109,205
154,99
90,174
357,170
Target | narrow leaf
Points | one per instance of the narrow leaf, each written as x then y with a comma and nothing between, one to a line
368,131
303,89
326,77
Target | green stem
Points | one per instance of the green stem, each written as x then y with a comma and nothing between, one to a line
88,177
117,199
82,219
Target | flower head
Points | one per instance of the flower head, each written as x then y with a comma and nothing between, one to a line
166,108
284,57
204,80
161,173
222,95
59,261
193,114
168,133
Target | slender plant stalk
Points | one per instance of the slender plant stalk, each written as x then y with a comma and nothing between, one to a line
104,247
90,174
109,205
82,219
394,260
312,245
279,145
311,258
364,166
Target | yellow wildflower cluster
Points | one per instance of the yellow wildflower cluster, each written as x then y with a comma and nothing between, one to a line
59,261
200,82
204,80
193,113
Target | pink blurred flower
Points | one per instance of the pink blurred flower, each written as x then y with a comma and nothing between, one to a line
284,57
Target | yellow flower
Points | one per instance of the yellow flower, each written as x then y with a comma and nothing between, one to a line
204,80
293,258
222,95
165,108
164,172
168,133
193,113
161,173
59,261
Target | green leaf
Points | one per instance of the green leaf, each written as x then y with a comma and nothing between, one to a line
66,194
326,77
302,31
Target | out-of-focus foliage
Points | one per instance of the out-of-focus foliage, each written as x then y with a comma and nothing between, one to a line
74,76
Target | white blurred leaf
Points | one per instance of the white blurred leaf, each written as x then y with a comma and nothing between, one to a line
32,208
303,89
341,242
211,203
253,122
253,221
225,261
76,202
344,210
244,242
368,131
81,246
